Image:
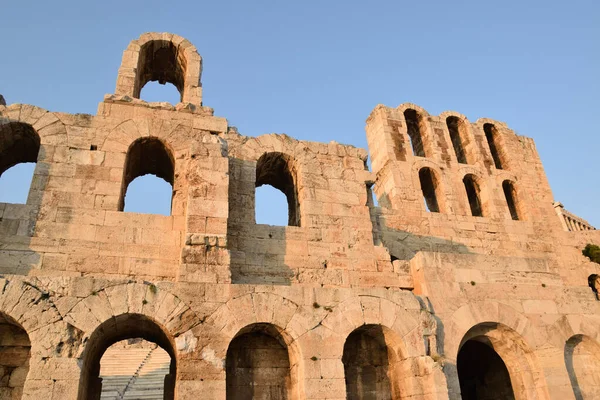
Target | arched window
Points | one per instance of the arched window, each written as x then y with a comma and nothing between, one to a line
429,188
472,189
279,171
19,148
511,199
147,156
370,364
102,361
457,130
258,365
414,128
15,350
162,61
491,134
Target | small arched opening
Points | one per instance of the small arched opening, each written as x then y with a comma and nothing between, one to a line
511,200
430,189
594,284
582,359
473,195
15,349
163,62
19,148
415,129
277,170
371,364
494,362
259,365
117,344
458,135
491,135
149,173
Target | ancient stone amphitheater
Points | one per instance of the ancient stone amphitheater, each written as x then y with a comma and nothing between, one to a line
465,279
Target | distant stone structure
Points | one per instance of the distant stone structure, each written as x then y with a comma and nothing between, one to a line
461,283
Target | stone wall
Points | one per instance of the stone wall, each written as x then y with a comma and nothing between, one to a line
351,300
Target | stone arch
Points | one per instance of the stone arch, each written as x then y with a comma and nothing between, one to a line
279,170
15,353
245,157
478,204
372,363
148,155
113,330
283,318
150,300
260,353
582,360
158,313
432,189
47,125
461,136
40,129
513,199
162,57
510,334
397,325
27,305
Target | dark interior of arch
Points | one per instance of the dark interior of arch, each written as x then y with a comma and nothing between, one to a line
490,135
511,199
366,364
278,170
429,188
258,365
19,143
124,326
472,189
147,156
15,349
482,373
162,61
413,127
454,126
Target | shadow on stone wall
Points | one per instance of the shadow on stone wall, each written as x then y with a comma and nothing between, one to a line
569,362
258,251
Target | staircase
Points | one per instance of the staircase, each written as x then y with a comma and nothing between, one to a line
134,373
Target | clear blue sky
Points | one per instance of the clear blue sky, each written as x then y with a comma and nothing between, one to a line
315,69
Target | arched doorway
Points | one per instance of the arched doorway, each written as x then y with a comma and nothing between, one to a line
15,349
495,362
119,339
372,364
582,359
483,374
259,365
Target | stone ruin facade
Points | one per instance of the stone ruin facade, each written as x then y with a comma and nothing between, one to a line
463,282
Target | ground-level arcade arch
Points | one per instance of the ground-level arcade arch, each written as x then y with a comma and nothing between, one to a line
259,365
505,332
511,362
116,329
582,360
15,350
372,363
